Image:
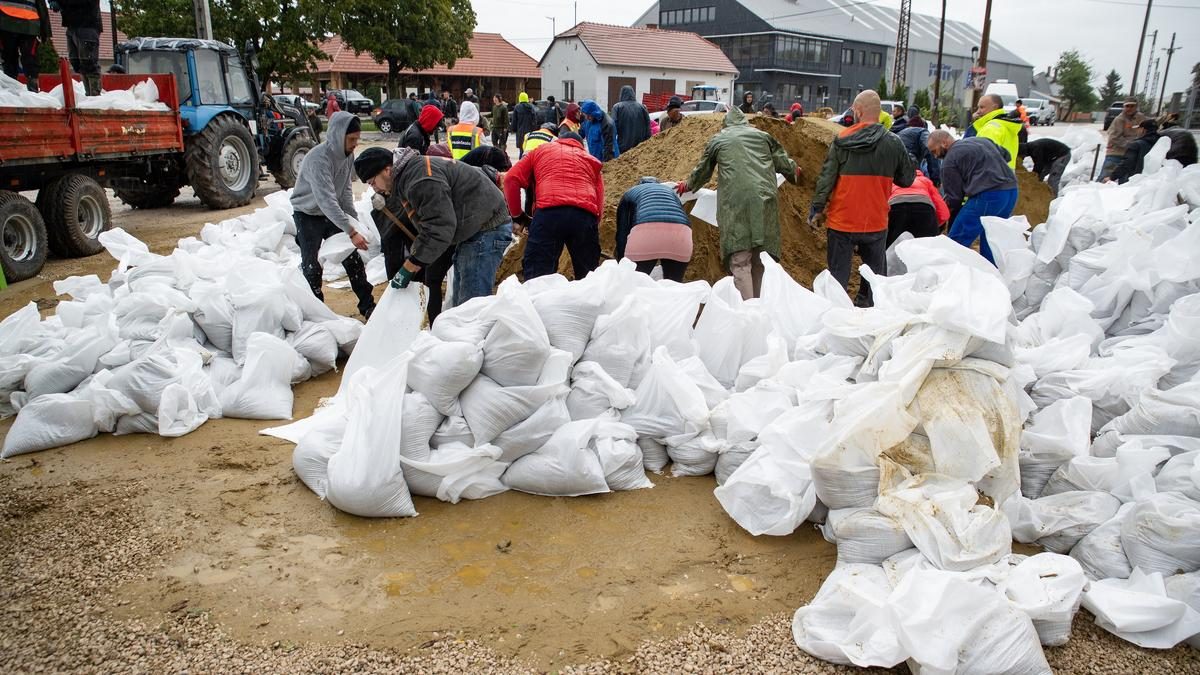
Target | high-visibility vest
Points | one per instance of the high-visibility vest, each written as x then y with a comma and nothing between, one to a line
464,138
24,10
534,139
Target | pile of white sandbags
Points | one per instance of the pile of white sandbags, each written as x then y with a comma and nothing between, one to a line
141,96
221,327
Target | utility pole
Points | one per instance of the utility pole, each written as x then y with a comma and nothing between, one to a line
937,78
1166,73
112,28
1149,90
900,67
1153,86
1141,43
983,54
203,19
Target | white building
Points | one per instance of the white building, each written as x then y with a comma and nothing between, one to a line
593,61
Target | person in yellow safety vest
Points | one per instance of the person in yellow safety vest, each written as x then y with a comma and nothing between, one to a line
466,135
539,137
992,124
23,23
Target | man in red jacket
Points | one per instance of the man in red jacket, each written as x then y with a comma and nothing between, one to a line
566,210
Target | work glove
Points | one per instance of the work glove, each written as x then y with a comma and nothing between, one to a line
402,278
681,188
378,202
815,217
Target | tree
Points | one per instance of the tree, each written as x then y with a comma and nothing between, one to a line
922,100
900,92
1111,91
410,35
1075,77
882,89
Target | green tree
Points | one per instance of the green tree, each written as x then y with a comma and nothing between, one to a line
922,100
1075,77
882,88
47,58
1111,91
900,92
410,34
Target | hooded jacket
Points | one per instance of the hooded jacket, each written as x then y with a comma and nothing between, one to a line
796,112
1044,152
599,132
565,174
1134,159
921,191
746,107
647,202
448,201
1002,131
855,183
747,195
523,118
632,120
323,187
573,119
417,134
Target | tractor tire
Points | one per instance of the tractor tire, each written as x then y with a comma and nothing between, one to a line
222,163
385,126
76,212
23,242
294,152
147,196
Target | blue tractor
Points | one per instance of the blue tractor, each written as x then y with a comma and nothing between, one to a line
231,129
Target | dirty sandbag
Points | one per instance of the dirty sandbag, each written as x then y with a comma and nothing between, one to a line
771,493
453,430
1116,475
394,325
1174,411
516,347
1100,552
1048,587
621,342
978,631
563,467
595,393
729,332
1057,522
1162,534
569,314
365,476
310,458
864,536
264,391
846,624
1138,610
615,445
144,379
490,408
141,423
668,402
469,322
317,345
694,454
48,422
732,457
441,370
654,454
1036,472
763,366
1181,474
458,472
532,433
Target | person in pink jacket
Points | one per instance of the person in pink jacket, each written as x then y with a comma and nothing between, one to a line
918,209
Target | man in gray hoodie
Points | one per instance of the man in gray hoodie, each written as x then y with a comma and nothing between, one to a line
323,205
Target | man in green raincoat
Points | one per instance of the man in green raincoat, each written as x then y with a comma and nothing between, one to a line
747,207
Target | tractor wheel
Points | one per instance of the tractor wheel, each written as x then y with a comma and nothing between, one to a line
222,163
385,126
23,244
294,152
147,196
76,212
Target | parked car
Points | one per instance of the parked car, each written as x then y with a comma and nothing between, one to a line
297,102
350,100
1040,111
1113,110
1007,91
395,115
695,107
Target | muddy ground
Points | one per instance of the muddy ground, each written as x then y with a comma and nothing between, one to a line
206,553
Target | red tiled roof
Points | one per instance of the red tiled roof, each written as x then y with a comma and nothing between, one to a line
649,47
491,56
58,35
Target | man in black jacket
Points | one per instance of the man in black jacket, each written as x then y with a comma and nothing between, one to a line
1050,159
631,119
523,120
82,21
449,108
1134,160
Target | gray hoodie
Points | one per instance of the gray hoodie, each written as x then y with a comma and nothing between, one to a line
323,186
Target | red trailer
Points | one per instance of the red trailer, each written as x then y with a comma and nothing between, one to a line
69,155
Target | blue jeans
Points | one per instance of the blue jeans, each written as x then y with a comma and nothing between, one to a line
968,226
476,261
1111,162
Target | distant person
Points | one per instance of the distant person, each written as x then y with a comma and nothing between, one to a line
323,205
632,120
432,102
1050,159
466,135
600,132
23,24
899,121
746,161
449,108
1134,160
572,121
331,106
915,119
992,123
853,190
747,105
673,116
916,141
975,170
567,206
499,121
81,18
1123,131
538,137
917,209
653,229
1022,113
469,95
524,120
551,114
419,134
768,110
795,113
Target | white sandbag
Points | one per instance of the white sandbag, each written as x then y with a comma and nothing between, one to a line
469,322
1100,552
673,308
365,476
1186,589
394,325
516,347
1119,475
615,445
1138,610
750,411
490,408
317,344
144,379
1057,522
310,458
763,366
1181,474
595,393
214,314
1162,534
441,370
459,472
846,623
654,454
532,433
48,422
729,332
668,402
864,536
694,454
74,364
569,315
620,343
1036,472
1061,429
794,311
453,430
178,413
260,304
564,467
1048,587
730,458
695,369
845,487
772,492
108,405
1174,411
264,391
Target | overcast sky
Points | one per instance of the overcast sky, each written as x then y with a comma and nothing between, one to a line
1105,31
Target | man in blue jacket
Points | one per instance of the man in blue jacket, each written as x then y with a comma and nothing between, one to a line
599,131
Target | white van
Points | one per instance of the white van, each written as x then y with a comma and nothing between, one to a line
1040,111
1007,91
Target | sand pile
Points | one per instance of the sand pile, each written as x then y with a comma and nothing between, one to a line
671,156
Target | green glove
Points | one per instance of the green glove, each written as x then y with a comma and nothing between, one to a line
402,278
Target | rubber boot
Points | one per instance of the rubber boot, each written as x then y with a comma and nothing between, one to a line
91,84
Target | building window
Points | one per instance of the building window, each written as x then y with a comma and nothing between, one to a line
876,60
568,90
848,56
843,98
862,57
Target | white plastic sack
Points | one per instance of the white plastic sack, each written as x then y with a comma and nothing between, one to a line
1048,587
264,391
1057,522
668,402
771,493
1138,610
864,536
569,315
563,467
441,370
310,458
48,422
1162,534
846,623
490,408
516,347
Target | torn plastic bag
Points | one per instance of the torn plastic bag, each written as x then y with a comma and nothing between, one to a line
564,467
846,623
864,536
1100,552
1048,587
365,476
532,433
441,370
1162,534
620,343
569,314
516,347
48,422
1138,610
490,408
1181,474
310,458
1057,522
264,391
668,402
772,492
317,345
595,393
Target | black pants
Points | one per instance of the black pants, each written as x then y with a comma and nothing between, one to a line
672,269
395,251
310,232
554,228
500,139
919,219
870,246
83,50
19,54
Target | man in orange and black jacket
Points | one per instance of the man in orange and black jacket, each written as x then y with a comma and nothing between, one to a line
853,190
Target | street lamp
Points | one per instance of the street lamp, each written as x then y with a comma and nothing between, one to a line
553,29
